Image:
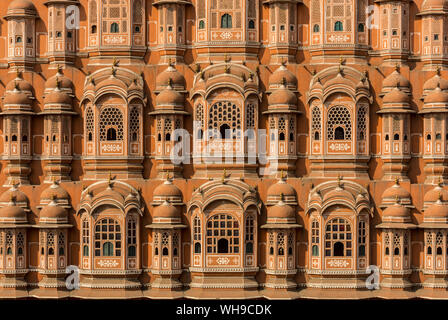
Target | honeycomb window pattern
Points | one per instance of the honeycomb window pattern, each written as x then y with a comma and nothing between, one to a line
225,113
339,116
250,116
316,125
134,124
362,123
111,117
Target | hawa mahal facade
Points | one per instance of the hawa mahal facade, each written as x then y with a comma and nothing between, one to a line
351,172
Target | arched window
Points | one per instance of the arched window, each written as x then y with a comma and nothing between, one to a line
108,249
107,238
339,133
361,27
201,24
134,124
14,138
428,137
387,137
19,40
223,245
226,21
338,26
280,244
222,232
111,134
315,237
111,124
89,124
281,136
396,137
249,234
338,238
361,239
132,237
114,28
316,124
339,117
338,249
197,236
85,237
224,131
316,28
397,251
93,29
251,24
387,251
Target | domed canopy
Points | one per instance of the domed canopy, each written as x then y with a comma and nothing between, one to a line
396,210
396,96
170,99
20,84
59,80
396,193
281,190
56,194
53,213
21,8
437,210
281,211
396,79
282,98
18,96
57,99
166,216
15,195
12,214
282,76
396,216
166,210
170,76
434,82
436,96
167,191
434,6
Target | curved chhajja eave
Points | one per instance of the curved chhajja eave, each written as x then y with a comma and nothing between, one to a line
351,195
339,79
238,193
225,75
128,198
122,82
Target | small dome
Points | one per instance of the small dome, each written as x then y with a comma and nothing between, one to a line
437,96
53,211
281,188
437,210
281,210
54,192
170,76
59,81
396,79
166,210
169,97
396,96
13,194
433,4
282,76
282,96
396,191
396,210
19,84
13,213
167,189
434,82
16,98
21,5
57,97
